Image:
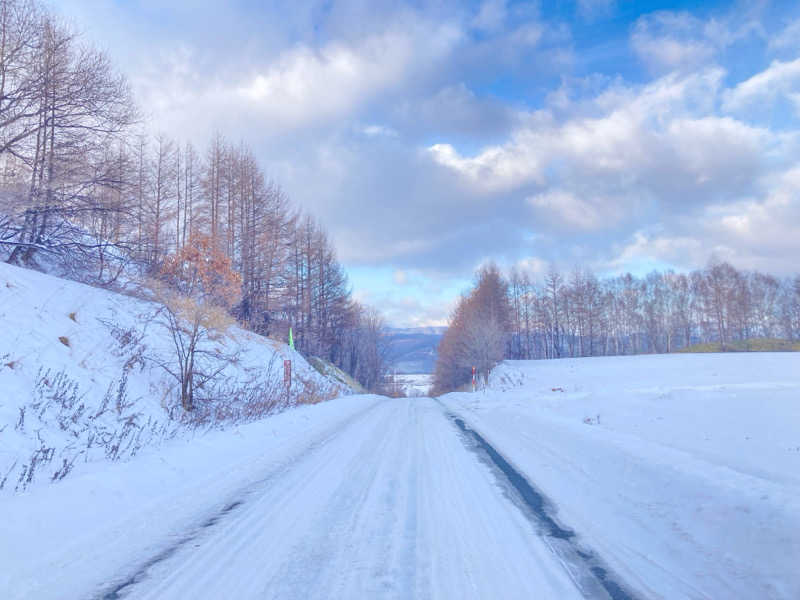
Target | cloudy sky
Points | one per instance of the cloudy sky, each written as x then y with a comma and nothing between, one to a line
429,136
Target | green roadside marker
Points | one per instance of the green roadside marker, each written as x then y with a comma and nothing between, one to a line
291,339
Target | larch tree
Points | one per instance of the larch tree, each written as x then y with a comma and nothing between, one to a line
479,332
77,108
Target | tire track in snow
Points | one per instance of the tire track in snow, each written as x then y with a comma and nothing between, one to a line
301,534
120,588
394,507
591,575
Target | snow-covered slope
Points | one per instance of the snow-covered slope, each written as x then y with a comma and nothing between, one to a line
682,471
78,380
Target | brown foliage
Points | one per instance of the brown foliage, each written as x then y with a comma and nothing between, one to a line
200,270
196,287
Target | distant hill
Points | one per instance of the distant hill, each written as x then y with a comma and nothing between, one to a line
413,350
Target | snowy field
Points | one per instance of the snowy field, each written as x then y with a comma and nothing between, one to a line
682,471
663,477
414,385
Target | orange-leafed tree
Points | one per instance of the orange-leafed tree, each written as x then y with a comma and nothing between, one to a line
478,333
196,288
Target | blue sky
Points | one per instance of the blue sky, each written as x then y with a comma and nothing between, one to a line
433,135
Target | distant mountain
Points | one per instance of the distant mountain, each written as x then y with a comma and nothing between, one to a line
418,330
413,350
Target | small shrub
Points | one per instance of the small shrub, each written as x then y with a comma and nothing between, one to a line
5,477
73,316
64,469
40,456
64,340
58,401
313,394
6,362
129,339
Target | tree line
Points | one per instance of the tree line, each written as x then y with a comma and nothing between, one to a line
82,186
578,314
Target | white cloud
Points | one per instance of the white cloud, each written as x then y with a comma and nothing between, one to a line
457,110
379,131
758,232
491,16
296,88
629,139
659,152
666,40
409,310
527,35
497,168
309,84
591,9
566,209
780,79
788,38
678,250
710,146
533,266
762,229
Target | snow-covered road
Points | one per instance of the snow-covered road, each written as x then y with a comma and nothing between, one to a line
395,505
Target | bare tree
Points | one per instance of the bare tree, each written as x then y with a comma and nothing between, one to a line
20,79
65,109
661,312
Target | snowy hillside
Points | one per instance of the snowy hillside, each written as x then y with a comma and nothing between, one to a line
79,379
683,471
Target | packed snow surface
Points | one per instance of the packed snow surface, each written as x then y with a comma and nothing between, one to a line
679,475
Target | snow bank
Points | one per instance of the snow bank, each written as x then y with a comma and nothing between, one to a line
682,471
78,383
